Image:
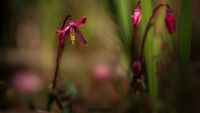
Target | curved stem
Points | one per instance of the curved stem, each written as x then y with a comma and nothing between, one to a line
58,58
59,53
67,19
149,24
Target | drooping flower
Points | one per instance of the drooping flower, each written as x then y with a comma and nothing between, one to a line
72,29
137,14
170,21
137,68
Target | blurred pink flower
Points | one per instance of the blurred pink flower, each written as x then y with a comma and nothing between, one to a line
27,82
101,72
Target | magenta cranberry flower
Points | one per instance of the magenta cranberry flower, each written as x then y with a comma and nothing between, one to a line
72,29
170,21
137,15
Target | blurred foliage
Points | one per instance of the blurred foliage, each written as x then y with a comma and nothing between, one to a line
28,42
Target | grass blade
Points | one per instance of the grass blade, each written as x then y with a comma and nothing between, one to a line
185,34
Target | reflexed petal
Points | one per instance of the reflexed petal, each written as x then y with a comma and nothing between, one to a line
66,28
81,22
81,37
62,30
67,20
63,37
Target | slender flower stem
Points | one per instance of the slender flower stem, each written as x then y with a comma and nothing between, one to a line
132,43
59,54
149,24
133,82
61,46
132,55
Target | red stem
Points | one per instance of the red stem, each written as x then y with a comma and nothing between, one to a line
59,54
58,58
149,26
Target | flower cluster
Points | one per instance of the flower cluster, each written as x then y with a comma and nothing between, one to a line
136,18
169,18
70,29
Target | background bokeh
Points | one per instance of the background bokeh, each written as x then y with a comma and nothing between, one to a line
99,74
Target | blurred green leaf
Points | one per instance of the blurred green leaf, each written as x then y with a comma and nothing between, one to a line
149,51
124,15
185,34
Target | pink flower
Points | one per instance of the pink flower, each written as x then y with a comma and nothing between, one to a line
71,29
101,72
137,15
170,21
27,82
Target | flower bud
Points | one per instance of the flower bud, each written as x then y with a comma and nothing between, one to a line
137,15
170,22
137,68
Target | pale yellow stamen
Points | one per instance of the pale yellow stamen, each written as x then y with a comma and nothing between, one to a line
72,37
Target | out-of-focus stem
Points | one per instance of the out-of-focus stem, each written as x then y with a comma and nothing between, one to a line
59,54
61,46
149,24
151,78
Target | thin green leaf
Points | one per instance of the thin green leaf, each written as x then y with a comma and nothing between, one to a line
185,34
